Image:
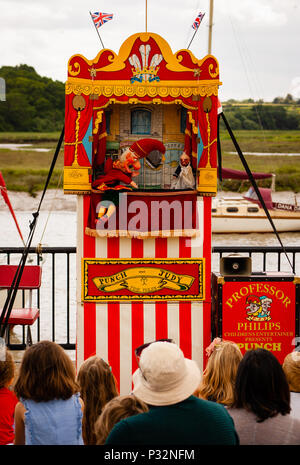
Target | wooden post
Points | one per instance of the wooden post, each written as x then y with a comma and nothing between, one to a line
211,10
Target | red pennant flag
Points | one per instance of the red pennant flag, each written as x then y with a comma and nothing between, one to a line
7,201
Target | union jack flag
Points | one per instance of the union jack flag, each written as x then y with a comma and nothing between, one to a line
101,18
197,21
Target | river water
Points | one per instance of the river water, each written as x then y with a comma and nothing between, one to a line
56,227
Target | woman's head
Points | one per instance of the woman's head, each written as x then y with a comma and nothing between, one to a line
116,410
261,386
220,372
97,387
46,373
7,369
291,368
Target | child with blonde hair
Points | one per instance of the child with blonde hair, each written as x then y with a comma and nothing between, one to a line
97,387
116,410
218,379
8,399
291,368
50,409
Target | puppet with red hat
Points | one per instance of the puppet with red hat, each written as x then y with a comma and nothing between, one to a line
113,173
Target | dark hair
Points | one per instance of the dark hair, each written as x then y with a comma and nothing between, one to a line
261,386
46,373
7,369
97,387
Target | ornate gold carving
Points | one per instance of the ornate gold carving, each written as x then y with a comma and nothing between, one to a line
169,88
98,121
207,104
208,165
74,72
207,181
78,103
210,70
76,179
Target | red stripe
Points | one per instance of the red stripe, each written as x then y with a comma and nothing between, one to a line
137,308
161,247
113,247
185,328
113,324
184,247
137,248
89,250
137,335
207,255
161,308
161,320
113,317
185,308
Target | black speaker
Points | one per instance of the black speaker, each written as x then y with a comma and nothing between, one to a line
235,265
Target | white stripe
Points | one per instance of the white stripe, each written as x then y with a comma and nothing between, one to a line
125,247
149,322
79,316
102,331
125,349
173,322
197,333
149,248
173,247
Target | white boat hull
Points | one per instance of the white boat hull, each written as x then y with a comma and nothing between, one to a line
222,225
238,215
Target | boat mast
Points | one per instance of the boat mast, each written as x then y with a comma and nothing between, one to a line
146,17
211,10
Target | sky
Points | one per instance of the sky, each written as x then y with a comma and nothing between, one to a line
256,42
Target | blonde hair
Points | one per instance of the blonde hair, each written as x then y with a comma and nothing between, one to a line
219,376
97,387
291,368
116,410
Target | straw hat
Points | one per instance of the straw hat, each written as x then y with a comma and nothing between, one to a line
165,377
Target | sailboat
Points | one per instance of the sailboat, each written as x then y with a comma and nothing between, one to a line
244,214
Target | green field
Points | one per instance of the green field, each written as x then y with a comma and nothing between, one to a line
26,170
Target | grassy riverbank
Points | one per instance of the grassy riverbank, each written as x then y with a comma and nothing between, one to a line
26,170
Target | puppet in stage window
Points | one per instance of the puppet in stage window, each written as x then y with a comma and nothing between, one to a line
113,177
184,176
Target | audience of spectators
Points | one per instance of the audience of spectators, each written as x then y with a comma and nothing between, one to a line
97,387
218,379
261,408
248,400
166,382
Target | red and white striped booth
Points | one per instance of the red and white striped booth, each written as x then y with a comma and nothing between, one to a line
113,319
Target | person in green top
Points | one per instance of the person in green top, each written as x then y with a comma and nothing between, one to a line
166,382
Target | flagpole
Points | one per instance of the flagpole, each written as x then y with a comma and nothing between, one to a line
97,30
211,9
146,15
193,38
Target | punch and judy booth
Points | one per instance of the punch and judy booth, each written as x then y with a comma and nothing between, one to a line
140,154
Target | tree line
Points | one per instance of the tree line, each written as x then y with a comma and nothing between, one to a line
283,114
32,102
36,104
